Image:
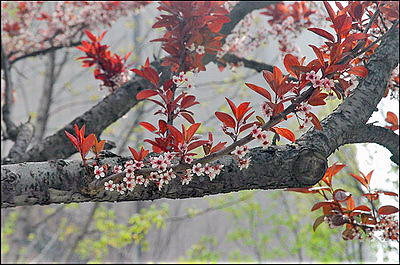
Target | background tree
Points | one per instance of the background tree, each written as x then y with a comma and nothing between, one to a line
294,166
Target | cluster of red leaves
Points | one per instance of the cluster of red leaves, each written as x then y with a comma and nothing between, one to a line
195,22
172,140
80,142
108,66
339,206
170,107
139,156
238,122
279,12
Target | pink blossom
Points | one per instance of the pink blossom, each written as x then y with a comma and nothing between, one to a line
109,185
130,185
117,169
244,163
198,170
98,172
121,188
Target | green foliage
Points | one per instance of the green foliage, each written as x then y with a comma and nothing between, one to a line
203,251
8,229
109,232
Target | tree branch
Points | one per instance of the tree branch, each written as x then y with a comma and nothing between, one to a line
11,128
62,181
369,133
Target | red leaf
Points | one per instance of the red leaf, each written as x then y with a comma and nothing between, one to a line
388,209
371,196
134,153
320,204
359,70
323,33
196,144
148,126
360,179
88,142
188,117
246,126
226,119
176,133
392,118
233,107
288,134
145,94
350,203
218,147
319,54
90,35
330,10
259,90
73,139
315,121
289,61
191,131
242,109
389,193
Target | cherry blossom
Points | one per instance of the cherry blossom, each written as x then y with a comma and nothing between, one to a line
198,170
117,169
266,109
109,185
130,185
188,159
129,171
140,180
187,177
138,164
244,163
121,188
98,172
129,178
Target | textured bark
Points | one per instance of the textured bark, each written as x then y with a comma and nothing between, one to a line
296,165
67,181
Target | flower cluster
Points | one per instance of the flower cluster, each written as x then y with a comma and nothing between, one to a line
260,135
240,152
161,177
389,226
317,82
303,113
183,80
353,84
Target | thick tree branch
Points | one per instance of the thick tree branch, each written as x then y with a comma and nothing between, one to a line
66,181
369,133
